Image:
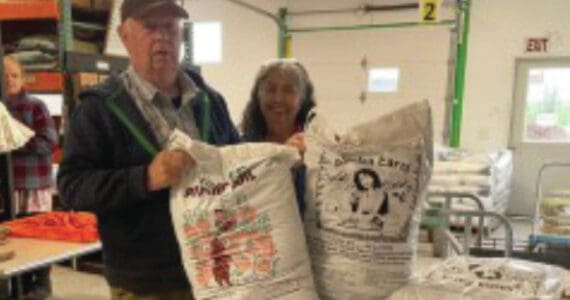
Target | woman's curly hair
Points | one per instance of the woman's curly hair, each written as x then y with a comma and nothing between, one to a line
253,125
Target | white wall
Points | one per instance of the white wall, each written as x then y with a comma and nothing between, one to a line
499,30
497,37
334,61
498,33
248,39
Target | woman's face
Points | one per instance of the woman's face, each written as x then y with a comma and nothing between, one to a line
366,181
280,100
13,77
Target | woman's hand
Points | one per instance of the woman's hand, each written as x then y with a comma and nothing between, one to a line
298,141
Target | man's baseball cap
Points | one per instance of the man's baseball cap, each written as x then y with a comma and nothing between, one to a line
139,8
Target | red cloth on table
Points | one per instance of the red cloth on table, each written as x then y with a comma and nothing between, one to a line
66,226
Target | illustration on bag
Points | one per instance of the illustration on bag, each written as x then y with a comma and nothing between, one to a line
493,277
231,245
365,197
504,279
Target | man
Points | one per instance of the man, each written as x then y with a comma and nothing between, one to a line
109,165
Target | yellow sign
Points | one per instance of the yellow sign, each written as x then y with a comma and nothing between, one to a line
289,46
429,10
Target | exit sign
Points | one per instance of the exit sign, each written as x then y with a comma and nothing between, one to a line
537,45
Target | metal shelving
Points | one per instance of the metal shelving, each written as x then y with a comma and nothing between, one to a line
26,10
59,80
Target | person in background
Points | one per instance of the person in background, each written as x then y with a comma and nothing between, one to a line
32,164
112,165
281,99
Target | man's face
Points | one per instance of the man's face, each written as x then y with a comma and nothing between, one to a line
153,42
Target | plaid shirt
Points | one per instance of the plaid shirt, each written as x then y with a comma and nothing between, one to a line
32,163
159,110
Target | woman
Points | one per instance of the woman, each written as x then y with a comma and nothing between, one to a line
31,163
280,101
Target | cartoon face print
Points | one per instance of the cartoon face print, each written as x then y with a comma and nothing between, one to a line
369,204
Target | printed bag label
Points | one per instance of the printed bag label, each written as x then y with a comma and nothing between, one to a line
238,225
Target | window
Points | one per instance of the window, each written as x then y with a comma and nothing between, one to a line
547,114
206,43
383,80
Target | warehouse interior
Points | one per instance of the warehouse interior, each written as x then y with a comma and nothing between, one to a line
495,74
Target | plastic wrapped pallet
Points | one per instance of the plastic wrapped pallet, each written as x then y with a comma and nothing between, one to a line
446,167
484,175
468,278
237,222
473,180
364,194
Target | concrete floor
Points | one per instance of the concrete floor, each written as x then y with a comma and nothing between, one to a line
72,285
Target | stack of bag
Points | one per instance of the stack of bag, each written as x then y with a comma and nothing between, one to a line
37,52
484,175
94,16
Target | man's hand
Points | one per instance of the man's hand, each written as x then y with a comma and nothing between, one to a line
167,169
298,141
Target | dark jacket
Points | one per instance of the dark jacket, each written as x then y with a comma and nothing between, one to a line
104,170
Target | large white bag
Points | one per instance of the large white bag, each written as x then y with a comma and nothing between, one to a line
13,134
469,278
237,222
364,194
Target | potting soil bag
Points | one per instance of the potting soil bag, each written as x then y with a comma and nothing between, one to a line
364,195
236,219
470,278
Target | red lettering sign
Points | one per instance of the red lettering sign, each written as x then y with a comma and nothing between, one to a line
537,45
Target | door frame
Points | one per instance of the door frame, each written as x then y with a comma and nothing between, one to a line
517,144
517,116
